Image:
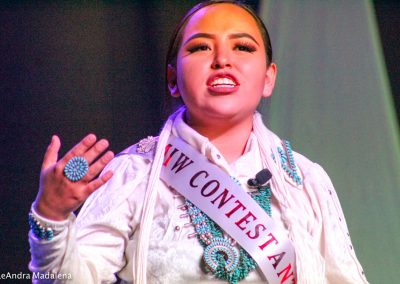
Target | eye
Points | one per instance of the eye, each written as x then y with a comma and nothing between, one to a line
198,47
246,47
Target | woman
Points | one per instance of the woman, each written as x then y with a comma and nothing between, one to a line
146,225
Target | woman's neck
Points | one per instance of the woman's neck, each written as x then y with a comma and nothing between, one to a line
229,138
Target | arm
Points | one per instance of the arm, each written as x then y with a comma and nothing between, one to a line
342,265
91,248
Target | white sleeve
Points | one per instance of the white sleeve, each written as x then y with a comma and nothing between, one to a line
90,248
342,265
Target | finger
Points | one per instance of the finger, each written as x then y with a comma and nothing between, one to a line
51,155
99,165
80,148
94,185
96,150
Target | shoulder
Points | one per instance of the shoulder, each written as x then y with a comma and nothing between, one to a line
298,168
312,172
133,163
130,170
137,157
145,148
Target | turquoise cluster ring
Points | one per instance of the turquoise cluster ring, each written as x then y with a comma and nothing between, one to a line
76,169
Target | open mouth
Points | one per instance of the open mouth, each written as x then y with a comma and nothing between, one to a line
223,84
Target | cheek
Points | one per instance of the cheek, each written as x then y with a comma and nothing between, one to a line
255,73
191,74
253,64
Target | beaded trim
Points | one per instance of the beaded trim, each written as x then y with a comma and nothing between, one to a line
42,233
221,255
287,162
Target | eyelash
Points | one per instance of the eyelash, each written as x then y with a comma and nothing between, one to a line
245,46
242,46
199,47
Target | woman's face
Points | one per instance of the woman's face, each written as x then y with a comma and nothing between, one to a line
221,70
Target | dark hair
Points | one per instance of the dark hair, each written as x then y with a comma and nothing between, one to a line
176,41
176,38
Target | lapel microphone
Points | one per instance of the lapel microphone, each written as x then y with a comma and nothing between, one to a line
262,177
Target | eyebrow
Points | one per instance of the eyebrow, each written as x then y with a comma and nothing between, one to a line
211,36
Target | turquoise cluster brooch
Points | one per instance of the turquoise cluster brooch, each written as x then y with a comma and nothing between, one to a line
222,256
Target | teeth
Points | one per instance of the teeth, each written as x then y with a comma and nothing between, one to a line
223,81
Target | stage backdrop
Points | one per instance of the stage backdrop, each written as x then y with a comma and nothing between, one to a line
333,101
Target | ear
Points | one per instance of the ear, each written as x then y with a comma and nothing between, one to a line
270,77
171,79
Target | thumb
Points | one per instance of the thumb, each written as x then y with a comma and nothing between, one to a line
51,155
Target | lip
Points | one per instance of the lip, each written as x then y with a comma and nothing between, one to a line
222,89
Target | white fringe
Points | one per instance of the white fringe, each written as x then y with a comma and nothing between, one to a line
310,266
150,201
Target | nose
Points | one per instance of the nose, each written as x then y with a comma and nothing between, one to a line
222,58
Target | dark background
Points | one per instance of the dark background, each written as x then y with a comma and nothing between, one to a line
71,69
388,18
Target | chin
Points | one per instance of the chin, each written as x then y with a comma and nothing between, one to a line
226,114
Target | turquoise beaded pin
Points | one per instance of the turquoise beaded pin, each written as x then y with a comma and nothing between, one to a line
287,162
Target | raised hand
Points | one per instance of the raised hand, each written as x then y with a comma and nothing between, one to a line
58,196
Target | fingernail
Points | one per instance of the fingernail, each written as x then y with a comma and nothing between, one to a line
91,137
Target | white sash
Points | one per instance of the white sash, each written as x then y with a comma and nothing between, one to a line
216,194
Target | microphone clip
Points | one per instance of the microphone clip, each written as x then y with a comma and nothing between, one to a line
262,177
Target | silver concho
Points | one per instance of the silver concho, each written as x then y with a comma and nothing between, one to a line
146,144
222,246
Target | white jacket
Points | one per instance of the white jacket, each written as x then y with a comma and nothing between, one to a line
100,242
